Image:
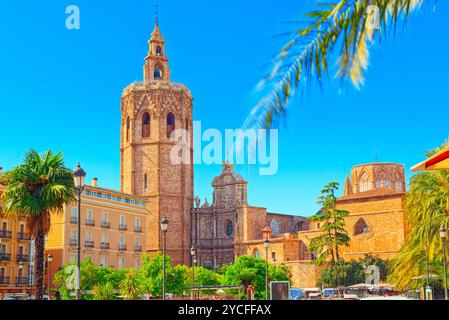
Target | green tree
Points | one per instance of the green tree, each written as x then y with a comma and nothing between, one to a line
426,210
339,32
204,277
333,232
34,190
131,287
251,270
151,274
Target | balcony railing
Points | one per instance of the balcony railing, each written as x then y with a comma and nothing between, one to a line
137,229
89,244
73,220
123,227
90,222
105,245
105,224
4,280
73,242
5,256
23,236
22,281
137,248
5,234
22,258
122,247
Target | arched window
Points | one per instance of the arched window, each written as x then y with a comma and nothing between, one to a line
364,183
256,253
146,125
170,124
398,182
274,225
301,226
145,182
157,73
158,51
361,227
127,129
229,228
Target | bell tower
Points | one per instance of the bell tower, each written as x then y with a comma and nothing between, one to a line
151,112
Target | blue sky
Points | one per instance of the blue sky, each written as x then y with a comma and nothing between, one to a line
61,89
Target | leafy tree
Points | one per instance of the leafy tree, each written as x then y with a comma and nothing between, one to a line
251,270
333,234
338,32
426,210
42,185
131,287
104,291
204,277
92,277
151,274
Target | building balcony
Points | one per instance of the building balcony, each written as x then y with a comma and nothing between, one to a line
137,229
105,224
105,245
22,281
23,236
90,223
89,244
22,258
4,280
73,220
123,227
5,256
73,242
122,247
5,234
137,248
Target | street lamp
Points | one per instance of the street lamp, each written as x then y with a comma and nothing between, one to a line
164,227
193,254
49,260
78,177
266,234
266,244
443,235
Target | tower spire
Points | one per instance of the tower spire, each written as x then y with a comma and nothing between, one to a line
156,14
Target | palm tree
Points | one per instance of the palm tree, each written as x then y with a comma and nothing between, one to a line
34,190
104,291
131,287
351,25
426,210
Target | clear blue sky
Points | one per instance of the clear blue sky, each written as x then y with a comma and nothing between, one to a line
61,89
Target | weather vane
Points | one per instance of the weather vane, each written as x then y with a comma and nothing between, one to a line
156,11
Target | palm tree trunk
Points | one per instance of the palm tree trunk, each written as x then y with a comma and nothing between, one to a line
39,264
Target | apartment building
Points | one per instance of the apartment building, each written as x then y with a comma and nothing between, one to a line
113,229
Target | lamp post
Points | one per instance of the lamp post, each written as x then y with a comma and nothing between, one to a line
443,235
78,176
49,260
266,234
193,254
164,227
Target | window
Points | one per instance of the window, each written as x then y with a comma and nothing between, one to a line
145,182
122,240
121,263
3,248
73,235
74,216
364,184
136,242
104,262
229,228
104,218
5,226
157,74
72,257
137,225
361,227
158,50
89,217
22,228
128,125
170,124
146,125
104,237
89,236
136,263
122,221
273,256
256,253
275,228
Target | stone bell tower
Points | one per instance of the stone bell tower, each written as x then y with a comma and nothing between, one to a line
151,112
